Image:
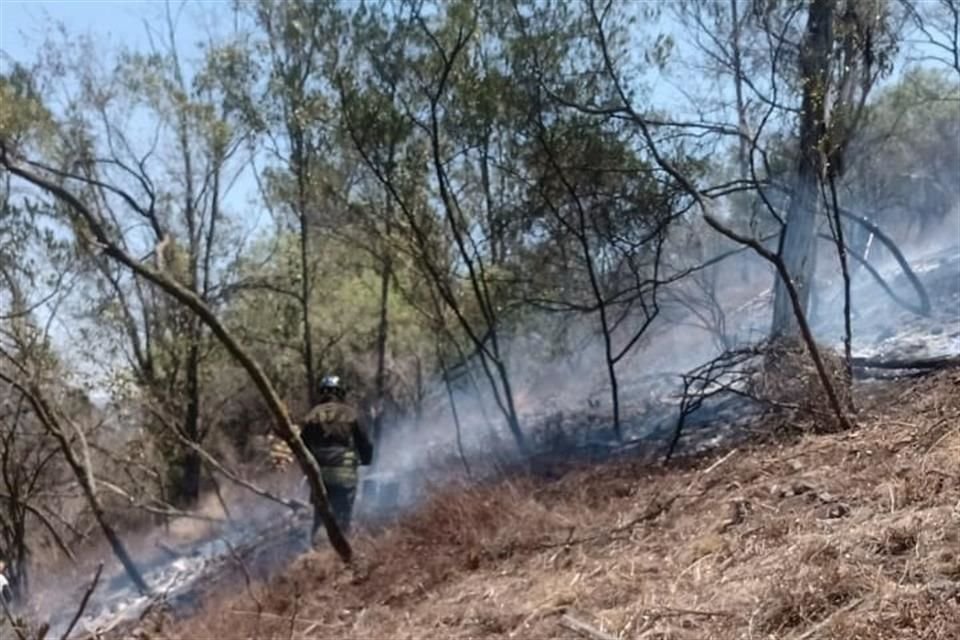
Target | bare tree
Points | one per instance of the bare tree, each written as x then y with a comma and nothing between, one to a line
425,232
28,464
25,380
937,23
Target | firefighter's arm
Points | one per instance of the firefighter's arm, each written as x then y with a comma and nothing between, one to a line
363,443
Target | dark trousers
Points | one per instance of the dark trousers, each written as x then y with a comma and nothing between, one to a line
341,502
341,497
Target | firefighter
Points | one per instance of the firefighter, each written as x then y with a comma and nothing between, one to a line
334,436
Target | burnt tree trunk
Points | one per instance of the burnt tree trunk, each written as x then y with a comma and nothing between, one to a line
798,239
383,328
189,489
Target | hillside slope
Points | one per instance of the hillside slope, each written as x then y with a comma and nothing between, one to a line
853,535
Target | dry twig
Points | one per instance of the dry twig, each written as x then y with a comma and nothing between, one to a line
83,602
584,628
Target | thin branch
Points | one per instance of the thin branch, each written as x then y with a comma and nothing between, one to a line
83,603
801,318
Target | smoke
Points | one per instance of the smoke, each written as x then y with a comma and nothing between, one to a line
564,384
176,560
560,376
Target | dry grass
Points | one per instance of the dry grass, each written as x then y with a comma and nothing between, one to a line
847,535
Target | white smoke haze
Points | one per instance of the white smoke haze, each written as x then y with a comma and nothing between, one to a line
677,342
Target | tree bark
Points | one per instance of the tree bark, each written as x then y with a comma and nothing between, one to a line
383,327
308,358
189,489
743,147
798,248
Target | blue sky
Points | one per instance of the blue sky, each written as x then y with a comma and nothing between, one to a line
119,21
114,24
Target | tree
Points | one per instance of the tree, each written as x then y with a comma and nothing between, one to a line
30,464
294,111
445,233
169,349
27,368
937,23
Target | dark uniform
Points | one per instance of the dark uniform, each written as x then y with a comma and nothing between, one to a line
332,433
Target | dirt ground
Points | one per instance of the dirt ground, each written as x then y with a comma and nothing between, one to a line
852,535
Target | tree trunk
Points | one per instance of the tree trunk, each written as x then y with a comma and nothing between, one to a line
19,578
798,240
308,362
743,148
386,273
190,480
189,490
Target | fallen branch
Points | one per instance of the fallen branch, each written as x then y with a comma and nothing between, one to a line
273,616
938,362
83,603
719,462
676,611
584,629
709,378
887,241
923,309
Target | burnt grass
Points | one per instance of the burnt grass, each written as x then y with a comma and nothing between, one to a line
836,535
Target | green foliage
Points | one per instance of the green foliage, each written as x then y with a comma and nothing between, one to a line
23,117
344,310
